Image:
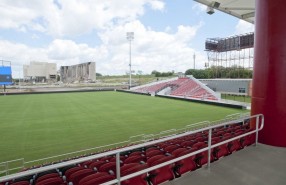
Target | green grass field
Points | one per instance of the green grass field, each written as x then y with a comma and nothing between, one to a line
43,125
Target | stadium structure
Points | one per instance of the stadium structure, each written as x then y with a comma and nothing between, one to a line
223,146
40,71
5,74
78,73
241,87
235,51
187,87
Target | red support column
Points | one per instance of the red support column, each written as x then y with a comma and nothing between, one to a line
269,78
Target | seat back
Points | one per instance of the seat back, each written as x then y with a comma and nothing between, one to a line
47,176
51,181
135,159
107,167
93,176
77,176
99,180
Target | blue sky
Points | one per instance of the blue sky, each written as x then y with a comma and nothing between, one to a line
68,32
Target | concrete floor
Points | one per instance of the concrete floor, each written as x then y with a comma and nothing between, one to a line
261,165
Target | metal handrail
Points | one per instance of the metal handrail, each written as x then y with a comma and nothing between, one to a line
210,146
129,148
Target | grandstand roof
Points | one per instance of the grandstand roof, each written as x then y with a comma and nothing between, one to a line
242,9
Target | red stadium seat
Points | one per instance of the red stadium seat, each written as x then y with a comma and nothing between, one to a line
93,176
87,163
135,159
151,149
153,153
187,143
237,144
47,176
250,139
71,171
178,151
131,168
185,165
106,158
200,139
136,153
95,165
113,159
224,149
99,180
77,176
110,166
199,145
171,148
52,181
162,174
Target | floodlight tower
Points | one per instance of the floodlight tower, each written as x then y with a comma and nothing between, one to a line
130,37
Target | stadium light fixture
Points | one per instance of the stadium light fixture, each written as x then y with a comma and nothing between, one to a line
210,8
130,37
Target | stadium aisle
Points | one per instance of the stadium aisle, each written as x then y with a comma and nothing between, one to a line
261,165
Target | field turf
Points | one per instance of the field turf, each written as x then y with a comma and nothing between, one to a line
43,125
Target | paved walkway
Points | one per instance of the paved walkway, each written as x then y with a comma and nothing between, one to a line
261,165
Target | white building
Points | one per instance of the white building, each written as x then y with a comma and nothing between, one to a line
40,71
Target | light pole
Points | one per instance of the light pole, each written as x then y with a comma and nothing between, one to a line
194,57
130,37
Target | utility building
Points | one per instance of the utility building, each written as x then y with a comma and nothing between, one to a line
40,71
84,72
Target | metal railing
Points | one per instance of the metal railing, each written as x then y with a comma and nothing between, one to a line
141,138
10,166
259,121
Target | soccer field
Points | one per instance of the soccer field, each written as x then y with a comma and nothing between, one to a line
43,125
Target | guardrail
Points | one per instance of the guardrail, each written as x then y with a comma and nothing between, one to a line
12,165
259,121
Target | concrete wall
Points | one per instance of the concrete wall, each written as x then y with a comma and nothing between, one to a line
229,86
78,73
40,69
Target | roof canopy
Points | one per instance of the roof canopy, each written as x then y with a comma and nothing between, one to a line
242,9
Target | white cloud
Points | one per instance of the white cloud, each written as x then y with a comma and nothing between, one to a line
157,5
199,8
74,17
243,27
151,50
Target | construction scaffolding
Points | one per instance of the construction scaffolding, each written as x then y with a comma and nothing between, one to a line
234,52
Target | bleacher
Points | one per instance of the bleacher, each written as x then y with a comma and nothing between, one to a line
101,168
187,87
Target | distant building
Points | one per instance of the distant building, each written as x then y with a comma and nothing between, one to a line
78,73
230,86
40,71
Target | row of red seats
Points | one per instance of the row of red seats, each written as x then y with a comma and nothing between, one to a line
157,87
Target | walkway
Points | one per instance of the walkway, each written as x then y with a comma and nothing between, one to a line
261,165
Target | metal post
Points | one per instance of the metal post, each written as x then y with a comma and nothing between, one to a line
130,37
118,168
256,136
194,56
7,169
130,64
209,146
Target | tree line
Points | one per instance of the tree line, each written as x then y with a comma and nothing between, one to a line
163,74
220,72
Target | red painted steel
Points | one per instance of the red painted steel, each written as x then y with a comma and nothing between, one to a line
269,80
